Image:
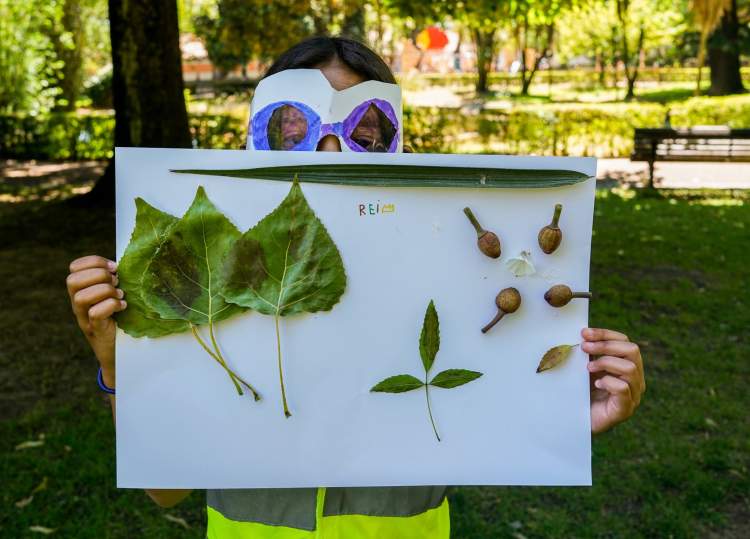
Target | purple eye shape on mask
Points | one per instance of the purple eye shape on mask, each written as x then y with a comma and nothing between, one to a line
293,126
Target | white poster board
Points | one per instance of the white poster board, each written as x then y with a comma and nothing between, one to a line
181,425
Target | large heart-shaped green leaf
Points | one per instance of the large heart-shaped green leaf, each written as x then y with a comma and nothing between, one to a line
285,264
151,228
183,281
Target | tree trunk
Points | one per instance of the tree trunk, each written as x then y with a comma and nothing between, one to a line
614,57
632,76
522,44
526,81
600,69
724,55
147,86
485,43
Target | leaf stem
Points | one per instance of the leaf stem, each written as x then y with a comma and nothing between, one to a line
217,358
287,413
256,396
429,409
216,354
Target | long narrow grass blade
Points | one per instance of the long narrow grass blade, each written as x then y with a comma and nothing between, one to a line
405,175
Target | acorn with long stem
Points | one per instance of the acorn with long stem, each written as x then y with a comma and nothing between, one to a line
550,236
561,294
487,241
508,301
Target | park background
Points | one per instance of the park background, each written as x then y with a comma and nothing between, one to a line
547,77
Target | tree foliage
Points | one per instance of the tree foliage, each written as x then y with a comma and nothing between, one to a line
533,26
47,50
236,31
27,57
641,28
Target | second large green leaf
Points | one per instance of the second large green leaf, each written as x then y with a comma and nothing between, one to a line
183,280
286,264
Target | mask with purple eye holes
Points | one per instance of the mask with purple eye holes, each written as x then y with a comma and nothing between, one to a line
284,120
293,126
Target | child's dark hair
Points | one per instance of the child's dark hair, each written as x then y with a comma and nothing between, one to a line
319,50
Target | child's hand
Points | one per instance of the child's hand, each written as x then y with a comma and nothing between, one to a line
617,381
94,298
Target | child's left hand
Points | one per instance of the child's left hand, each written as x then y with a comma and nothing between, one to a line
617,381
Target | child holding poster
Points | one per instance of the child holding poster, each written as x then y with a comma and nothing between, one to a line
617,380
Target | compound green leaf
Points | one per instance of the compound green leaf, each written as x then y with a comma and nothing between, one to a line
429,343
183,281
429,339
286,264
139,320
454,378
398,384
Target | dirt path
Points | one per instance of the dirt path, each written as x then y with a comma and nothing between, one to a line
46,180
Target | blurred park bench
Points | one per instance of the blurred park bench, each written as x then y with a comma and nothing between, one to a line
700,143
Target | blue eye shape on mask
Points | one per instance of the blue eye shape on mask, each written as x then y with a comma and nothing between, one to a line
372,126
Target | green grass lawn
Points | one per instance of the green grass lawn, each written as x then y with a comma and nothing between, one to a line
671,273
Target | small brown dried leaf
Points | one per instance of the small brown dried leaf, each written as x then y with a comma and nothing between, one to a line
555,356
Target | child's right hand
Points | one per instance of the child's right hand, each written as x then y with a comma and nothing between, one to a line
94,297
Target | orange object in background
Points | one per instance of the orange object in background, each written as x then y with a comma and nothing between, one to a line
431,38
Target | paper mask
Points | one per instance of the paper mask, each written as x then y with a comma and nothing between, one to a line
294,109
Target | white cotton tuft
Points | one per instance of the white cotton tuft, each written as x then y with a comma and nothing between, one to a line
521,265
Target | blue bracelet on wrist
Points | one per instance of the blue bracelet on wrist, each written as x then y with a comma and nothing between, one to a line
102,385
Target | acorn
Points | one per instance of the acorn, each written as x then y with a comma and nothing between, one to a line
508,301
550,236
560,295
487,241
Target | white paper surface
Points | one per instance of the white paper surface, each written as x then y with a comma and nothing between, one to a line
180,424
